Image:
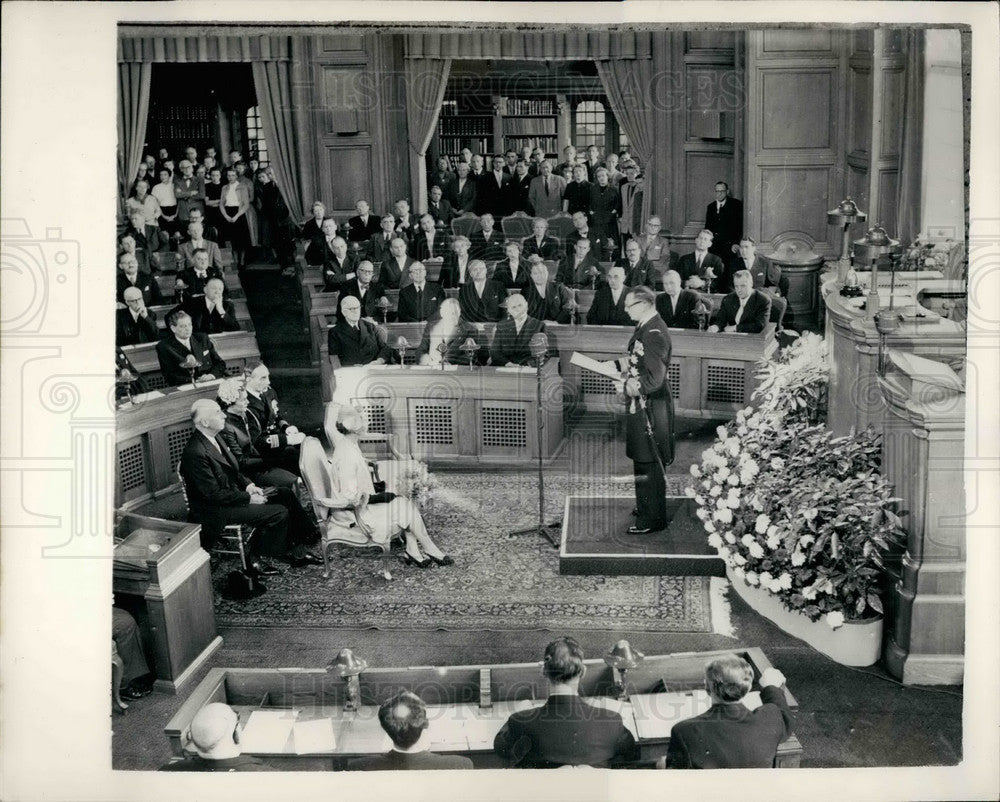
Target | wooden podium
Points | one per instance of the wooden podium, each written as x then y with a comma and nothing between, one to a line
162,576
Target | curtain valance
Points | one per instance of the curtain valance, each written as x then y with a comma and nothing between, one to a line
194,49
499,43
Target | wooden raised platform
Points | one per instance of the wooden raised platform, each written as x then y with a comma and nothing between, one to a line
595,540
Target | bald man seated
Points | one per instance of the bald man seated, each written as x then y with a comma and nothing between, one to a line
135,324
212,743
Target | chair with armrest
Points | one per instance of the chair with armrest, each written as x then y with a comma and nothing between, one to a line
237,536
391,471
466,225
516,226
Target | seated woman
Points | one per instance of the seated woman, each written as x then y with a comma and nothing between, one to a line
443,338
379,517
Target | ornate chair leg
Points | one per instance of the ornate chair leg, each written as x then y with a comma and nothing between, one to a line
325,547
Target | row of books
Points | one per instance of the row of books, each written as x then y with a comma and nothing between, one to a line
513,105
465,126
535,126
449,144
547,143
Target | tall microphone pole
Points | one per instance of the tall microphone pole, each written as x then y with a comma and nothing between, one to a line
539,346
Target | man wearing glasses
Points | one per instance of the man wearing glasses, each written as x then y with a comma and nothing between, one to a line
367,291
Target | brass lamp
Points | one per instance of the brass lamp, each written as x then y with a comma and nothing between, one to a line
844,215
623,658
867,250
349,668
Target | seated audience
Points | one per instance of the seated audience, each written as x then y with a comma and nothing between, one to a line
547,300
395,270
378,243
191,281
608,308
656,247
487,242
137,680
676,306
438,207
443,338
481,299
339,266
745,309
196,215
766,275
366,290
312,233
145,239
428,243
219,494
406,225
454,271
404,719
513,271
729,735
211,313
145,204
638,269
694,267
364,225
184,351
353,340
442,177
197,241
546,191
135,324
320,248
129,275
566,730
540,242
581,269
420,299
213,743
512,339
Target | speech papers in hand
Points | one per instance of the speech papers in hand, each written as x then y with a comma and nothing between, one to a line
608,369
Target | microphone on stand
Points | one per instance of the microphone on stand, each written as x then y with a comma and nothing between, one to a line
402,345
442,348
538,346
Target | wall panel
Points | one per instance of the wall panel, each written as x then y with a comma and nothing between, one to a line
702,172
348,176
794,198
797,41
797,108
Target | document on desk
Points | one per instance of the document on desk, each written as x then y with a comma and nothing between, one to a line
656,713
267,732
481,725
314,737
362,734
594,366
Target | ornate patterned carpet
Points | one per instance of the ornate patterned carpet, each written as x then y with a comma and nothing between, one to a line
496,584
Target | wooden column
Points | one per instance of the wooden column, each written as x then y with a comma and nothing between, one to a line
886,104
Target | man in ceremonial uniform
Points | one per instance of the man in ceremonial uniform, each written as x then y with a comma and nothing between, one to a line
280,447
649,422
353,341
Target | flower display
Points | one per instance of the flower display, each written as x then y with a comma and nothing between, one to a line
808,518
418,483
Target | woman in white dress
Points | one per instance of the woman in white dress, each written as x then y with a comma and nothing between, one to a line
443,338
378,516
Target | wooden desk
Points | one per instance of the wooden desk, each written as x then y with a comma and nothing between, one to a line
168,588
168,284
479,415
467,705
238,350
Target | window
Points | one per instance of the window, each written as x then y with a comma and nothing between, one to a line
256,144
588,124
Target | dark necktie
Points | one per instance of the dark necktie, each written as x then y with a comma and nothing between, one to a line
546,185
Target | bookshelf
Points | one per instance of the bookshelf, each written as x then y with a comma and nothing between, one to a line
513,123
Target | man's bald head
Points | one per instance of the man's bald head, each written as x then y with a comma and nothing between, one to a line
213,726
132,294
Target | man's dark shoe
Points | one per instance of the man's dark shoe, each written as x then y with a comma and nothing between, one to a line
643,530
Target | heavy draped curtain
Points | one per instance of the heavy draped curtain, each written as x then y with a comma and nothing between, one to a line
908,221
426,80
133,112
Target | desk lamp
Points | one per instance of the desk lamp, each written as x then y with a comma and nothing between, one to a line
623,658
349,668
845,214
402,345
867,250
701,312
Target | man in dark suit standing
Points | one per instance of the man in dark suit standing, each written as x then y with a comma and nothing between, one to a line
404,719
729,735
463,190
481,299
724,218
517,190
363,225
487,242
766,276
135,324
211,313
744,310
566,730
365,290
184,346
676,306
648,406
429,243
492,189
354,341
219,495
608,308
419,301
512,338
438,207
540,242
638,269
694,267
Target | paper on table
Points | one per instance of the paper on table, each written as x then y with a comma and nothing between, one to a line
267,731
752,700
482,725
363,734
594,366
314,737
656,713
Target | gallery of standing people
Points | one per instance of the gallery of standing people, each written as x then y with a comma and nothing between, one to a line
528,396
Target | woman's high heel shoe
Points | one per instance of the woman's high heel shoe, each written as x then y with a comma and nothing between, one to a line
446,560
407,559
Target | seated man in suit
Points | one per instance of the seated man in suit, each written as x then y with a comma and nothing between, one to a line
638,269
406,224
463,190
312,231
338,265
196,240
744,310
320,248
211,313
365,290
214,740
454,271
404,719
513,271
566,730
481,299
676,306
190,282
145,237
184,351
419,300
438,207
540,242
545,194
608,308
377,249
487,242
694,267
655,246
429,243
363,225
581,269
547,300
129,275
766,275
444,337
218,494
729,735
512,339
135,324
582,230
354,341
396,268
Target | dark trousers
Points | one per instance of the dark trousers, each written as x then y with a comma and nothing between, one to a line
125,634
270,522
650,495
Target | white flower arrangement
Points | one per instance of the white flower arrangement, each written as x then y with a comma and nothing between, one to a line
418,483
